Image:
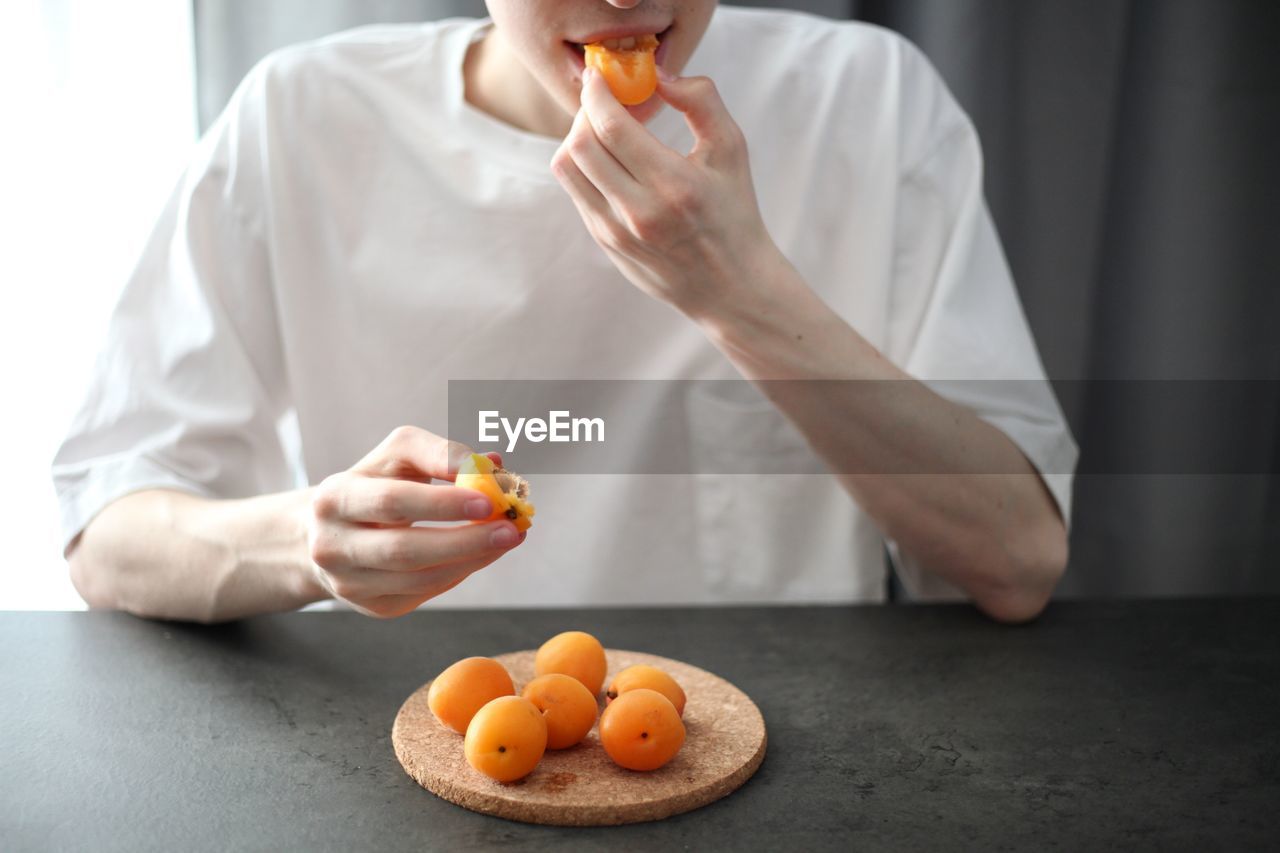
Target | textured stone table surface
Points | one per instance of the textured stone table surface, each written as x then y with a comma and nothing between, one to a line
1148,725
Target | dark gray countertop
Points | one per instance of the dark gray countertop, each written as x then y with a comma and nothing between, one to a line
1134,725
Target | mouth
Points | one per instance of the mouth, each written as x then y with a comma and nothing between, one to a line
617,39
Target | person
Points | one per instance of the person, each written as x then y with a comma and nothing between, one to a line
385,210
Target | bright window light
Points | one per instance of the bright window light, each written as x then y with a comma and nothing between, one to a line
100,102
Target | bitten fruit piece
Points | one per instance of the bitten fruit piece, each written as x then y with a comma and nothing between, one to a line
641,730
574,653
506,490
642,675
567,706
506,739
628,65
466,687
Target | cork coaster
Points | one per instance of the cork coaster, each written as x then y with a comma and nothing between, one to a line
580,786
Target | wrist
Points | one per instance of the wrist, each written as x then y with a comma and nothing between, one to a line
303,573
270,567
759,289
774,325
783,329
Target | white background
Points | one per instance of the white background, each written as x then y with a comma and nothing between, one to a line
100,118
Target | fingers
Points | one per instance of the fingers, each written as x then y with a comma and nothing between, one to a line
405,549
625,183
388,572
363,544
600,167
411,453
361,499
618,132
704,111
591,204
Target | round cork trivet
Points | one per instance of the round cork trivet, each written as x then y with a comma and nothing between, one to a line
581,786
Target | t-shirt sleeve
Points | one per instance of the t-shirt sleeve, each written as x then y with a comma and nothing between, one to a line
189,386
956,322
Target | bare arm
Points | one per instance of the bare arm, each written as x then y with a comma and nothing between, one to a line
972,509
168,555
687,230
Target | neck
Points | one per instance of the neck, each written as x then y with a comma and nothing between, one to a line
496,83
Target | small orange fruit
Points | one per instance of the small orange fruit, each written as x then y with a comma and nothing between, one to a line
641,675
506,490
464,688
567,706
628,65
641,730
574,653
506,739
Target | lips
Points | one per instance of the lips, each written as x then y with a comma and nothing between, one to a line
618,39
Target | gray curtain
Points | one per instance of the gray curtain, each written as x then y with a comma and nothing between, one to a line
1131,171
1132,174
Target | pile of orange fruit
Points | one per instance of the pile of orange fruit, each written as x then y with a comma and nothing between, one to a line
505,735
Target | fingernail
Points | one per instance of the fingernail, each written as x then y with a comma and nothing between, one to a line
505,537
665,76
478,508
587,73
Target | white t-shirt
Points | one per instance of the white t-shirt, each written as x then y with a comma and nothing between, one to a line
352,234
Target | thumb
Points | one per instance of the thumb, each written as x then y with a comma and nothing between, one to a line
411,453
699,100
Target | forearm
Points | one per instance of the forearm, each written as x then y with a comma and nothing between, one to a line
687,230
950,489
169,555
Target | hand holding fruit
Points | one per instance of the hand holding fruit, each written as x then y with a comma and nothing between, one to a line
362,541
685,229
